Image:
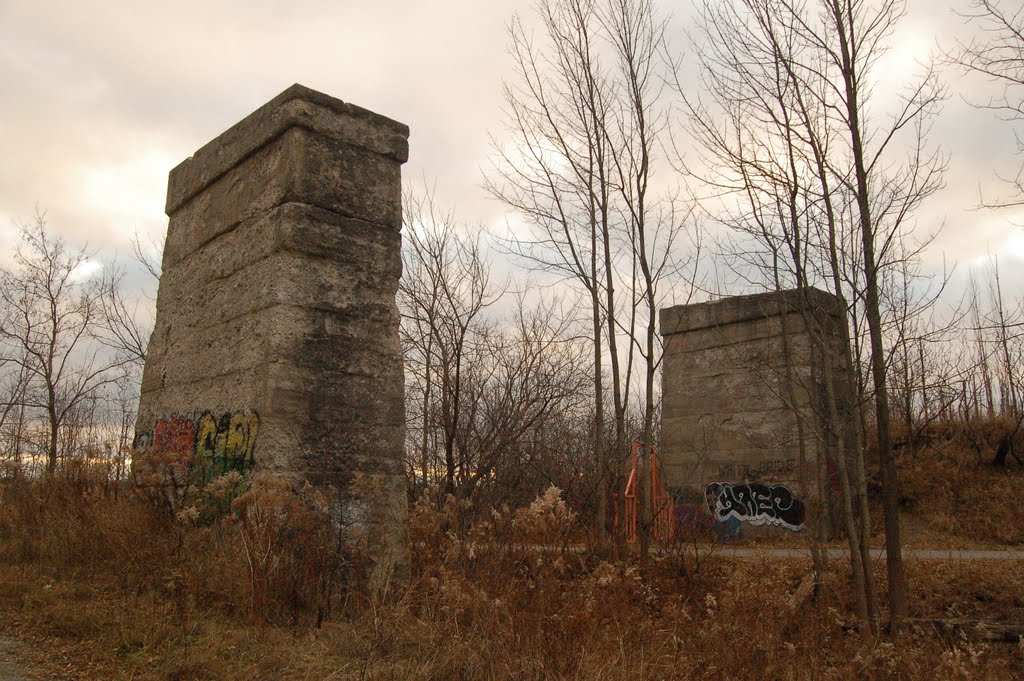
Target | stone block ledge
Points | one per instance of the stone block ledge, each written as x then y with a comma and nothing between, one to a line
298,106
740,309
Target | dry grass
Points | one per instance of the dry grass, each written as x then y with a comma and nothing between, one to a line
949,484
114,587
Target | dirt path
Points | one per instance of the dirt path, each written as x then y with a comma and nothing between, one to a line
877,554
10,668
833,552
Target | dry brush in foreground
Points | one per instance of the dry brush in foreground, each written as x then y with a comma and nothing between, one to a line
245,583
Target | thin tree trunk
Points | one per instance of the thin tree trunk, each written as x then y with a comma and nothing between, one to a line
890,492
600,522
857,568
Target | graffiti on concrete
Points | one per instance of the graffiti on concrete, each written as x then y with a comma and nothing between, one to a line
755,503
143,441
175,435
226,443
763,469
214,444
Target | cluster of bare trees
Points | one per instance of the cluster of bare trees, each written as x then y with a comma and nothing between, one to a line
821,193
71,352
588,113
966,367
818,185
494,397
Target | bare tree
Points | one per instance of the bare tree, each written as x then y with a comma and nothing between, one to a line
821,182
999,56
445,288
50,310
124,325
557,174
587,113
653,223
121,326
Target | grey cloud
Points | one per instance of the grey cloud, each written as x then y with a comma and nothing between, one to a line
103,98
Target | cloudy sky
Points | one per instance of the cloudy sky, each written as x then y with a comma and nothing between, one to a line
102,98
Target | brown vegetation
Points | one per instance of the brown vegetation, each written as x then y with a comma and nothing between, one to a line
110,585
953,489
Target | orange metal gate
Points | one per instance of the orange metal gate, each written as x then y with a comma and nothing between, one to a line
663,527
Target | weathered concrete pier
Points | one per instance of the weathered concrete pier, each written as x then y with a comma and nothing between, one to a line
744,415
276,345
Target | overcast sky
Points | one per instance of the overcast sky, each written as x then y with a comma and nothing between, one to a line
101,99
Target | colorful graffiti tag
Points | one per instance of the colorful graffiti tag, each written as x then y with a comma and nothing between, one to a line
755,503
212,444
175,435
227,443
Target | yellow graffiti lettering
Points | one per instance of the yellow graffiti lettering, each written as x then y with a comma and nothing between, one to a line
238,436
206,437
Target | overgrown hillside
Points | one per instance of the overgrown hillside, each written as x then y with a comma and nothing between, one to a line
952,492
